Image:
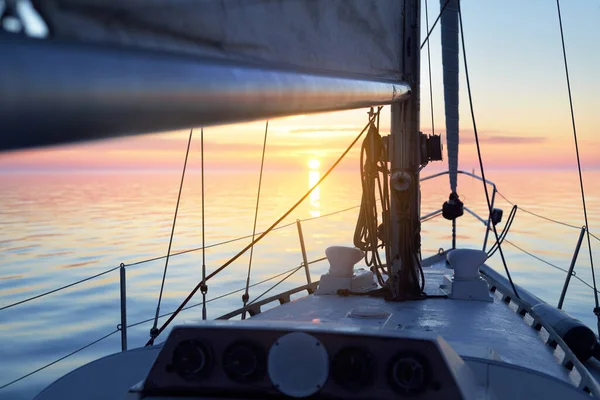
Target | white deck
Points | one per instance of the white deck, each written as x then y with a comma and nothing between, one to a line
473,328
476,330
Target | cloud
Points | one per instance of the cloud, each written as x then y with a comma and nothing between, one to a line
321,128
467,136
504,139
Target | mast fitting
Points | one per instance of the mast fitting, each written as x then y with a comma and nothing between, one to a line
453,208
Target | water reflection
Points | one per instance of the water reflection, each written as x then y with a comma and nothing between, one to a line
315,197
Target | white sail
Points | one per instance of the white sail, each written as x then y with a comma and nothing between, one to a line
116,68
338,36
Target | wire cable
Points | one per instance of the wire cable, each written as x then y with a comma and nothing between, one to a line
250,236
547,218
538,215
203,287
246,296
434,24
164,315
59,289
253,242
58,360
163,257
585,216
226,294
487,195
507,225
238,238
574,275
429,65
277,284
162,284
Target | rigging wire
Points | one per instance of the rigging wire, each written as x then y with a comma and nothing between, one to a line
538,215
59,288
573,274
246,296
163,257
429,65
507,225
434,23
230,293
153,331
487,195
59,359
277,284
564,51
241,252
249,236
203,287
161,316
547,218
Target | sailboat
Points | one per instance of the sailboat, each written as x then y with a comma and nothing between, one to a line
447,326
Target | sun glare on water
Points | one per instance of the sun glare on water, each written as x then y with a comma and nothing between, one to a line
313,178
314,164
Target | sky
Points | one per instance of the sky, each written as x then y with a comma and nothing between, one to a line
519,95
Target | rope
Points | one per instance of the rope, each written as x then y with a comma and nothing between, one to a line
564,50
239,254
245,296
487,195
429,65
162,284
434,24
58,360
366,233
203,287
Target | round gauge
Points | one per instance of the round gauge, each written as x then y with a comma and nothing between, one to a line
352,368
409,373
191,359
244,362
298,364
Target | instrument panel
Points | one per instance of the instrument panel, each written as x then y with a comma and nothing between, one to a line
241,361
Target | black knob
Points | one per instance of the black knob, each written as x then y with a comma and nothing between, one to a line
352,368
191,359
244,362
409,373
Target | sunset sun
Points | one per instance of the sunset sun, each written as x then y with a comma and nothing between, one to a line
314,164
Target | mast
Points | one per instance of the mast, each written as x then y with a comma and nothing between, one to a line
405,164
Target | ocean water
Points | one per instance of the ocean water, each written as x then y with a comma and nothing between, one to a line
60,227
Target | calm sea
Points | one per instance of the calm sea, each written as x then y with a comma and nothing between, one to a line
58,228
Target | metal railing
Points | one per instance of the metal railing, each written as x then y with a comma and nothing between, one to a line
255,307
473,213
